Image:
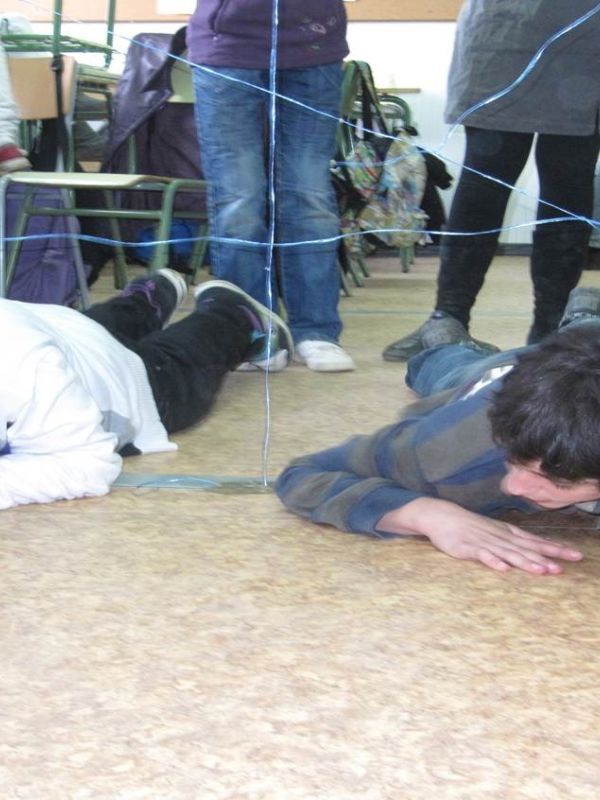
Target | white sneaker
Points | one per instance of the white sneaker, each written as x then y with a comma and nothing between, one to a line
277,362
150,285
264,321
177,281
323,356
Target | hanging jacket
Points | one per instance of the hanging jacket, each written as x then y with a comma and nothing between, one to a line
166,141
238,33
143,91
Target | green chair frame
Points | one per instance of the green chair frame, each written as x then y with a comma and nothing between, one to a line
359,97
57,43
358,94
91,80
111,185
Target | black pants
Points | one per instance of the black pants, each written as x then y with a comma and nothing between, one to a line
187,361
565,166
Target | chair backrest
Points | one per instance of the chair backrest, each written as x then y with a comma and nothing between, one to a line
182,92
181,82
360,106
18,37
33,85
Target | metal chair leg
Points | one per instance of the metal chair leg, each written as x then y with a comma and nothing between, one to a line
79,265
119,259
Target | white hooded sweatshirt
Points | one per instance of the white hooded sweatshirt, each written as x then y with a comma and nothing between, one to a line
71,396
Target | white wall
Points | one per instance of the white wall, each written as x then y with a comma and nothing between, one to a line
408,54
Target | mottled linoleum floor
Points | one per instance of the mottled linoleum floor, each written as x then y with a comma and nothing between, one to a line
180,644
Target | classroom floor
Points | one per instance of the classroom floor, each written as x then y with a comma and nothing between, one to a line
191,644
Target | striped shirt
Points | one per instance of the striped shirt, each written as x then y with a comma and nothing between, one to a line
442,447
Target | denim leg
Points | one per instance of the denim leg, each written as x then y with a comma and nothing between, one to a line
230,118
592,321
306,207
450,365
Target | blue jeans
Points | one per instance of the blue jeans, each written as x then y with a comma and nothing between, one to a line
231,121
450,365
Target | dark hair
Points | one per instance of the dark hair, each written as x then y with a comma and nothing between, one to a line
548,406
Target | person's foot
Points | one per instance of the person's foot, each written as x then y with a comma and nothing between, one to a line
165,290
12,159
272,344
439,329
583,303
404,348
323,356
443,329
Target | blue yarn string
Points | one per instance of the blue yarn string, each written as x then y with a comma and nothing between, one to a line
437,151
274,96
271,244
338,238
529,68
271,232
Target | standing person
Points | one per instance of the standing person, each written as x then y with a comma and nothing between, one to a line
78,390
555,110
233,38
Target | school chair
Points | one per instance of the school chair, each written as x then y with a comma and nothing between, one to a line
34,89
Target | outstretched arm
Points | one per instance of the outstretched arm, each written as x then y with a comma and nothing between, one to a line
343,486
463,534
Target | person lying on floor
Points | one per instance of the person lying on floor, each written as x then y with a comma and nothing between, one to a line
81,389
516,430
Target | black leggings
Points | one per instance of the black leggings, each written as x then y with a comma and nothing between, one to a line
187,361
565,166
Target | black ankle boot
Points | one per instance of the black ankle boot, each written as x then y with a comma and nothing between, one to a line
464,262
557,260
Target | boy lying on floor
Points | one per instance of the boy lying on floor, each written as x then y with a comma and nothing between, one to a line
515,430
78,389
